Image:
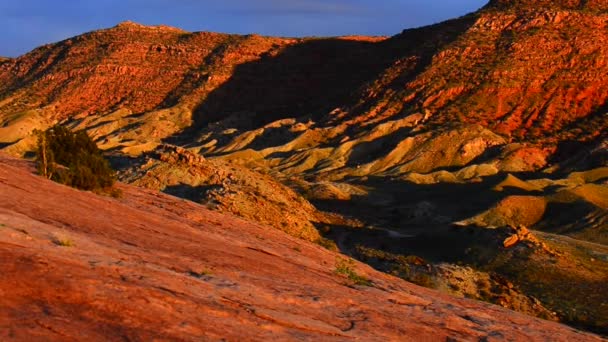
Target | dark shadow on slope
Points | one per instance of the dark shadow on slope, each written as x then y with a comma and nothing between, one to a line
7,144
274,136
312,78
419,45
367,152
426,213
399,226
196,194
395,201
576,151
442,243
573,155
405,218
307,79
578,219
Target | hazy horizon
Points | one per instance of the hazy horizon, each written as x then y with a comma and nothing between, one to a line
30,23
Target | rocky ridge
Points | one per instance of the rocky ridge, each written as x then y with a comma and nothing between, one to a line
591,5
227,188
166,84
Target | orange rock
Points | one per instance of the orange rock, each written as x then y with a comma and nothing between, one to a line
522,230
511,241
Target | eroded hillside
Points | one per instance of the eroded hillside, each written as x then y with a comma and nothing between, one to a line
506,87
532,74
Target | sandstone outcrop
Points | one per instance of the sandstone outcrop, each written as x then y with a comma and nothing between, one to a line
227,188
521,234
151,266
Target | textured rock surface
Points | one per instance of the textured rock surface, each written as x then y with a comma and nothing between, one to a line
150,266
226,188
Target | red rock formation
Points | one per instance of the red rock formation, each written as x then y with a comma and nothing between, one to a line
531,70
148,266
525,73
130,65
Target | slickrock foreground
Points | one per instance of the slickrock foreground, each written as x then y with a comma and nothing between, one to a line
77,266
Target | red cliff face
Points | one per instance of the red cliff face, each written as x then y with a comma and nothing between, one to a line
526,74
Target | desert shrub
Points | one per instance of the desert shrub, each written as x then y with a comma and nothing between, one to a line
73,159
346,267
63,242
327,244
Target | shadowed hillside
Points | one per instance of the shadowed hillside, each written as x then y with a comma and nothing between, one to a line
314,77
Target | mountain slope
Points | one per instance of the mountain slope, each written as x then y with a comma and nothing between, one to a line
535,76
532,72
164,73
152,266
527,73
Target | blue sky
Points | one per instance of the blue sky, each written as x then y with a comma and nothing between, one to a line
26,24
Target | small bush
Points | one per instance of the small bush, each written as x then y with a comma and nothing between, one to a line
73,159
63,242
346,267
115,193
200,274
327,244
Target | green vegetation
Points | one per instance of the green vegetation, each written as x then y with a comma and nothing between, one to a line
63,242
200,274
346,267
410,268
73,159
327,244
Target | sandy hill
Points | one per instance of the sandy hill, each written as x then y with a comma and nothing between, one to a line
153,266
